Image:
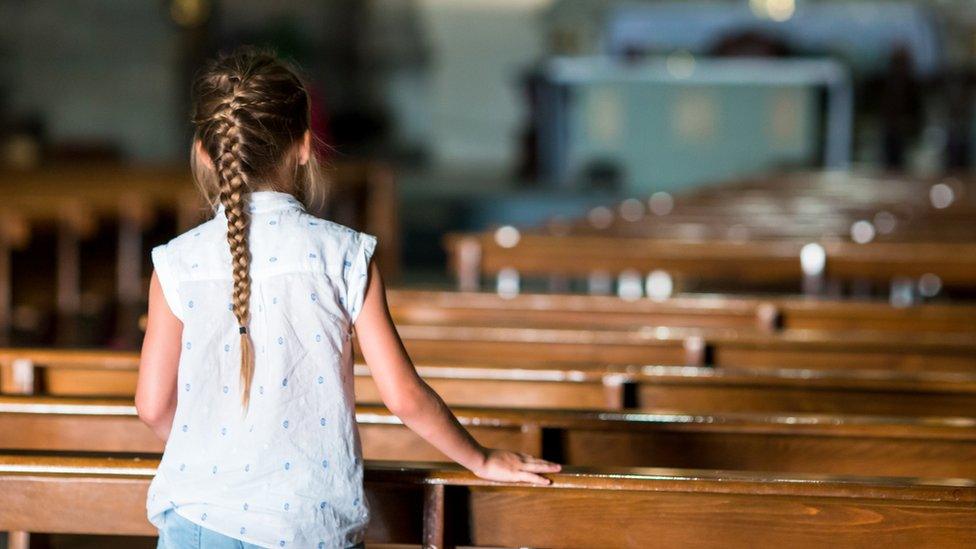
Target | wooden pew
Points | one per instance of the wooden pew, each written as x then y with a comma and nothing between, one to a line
796,443
754,263
77,201
749,234
701,311
784,206
79,372
697,389
804,205
441,506
695,347
73,202
709,335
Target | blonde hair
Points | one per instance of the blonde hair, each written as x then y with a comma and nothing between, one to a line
251,111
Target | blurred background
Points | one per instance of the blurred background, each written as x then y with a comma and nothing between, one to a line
476,114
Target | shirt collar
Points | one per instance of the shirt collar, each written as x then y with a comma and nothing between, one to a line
268,201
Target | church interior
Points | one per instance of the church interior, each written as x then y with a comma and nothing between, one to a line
716,257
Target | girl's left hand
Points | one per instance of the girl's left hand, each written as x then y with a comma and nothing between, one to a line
505,466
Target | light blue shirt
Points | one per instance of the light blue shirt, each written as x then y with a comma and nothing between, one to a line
289,472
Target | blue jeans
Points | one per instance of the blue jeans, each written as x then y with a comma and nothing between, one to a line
179,533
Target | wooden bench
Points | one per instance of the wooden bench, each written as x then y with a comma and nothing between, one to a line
698,389
441,506
701,311
778,207
72,202
753,263
783,205
833,444
749,234
807,349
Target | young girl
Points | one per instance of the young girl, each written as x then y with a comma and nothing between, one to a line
246,367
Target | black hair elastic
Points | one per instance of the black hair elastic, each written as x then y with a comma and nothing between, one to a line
243,330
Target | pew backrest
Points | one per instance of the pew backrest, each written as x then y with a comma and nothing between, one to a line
437,506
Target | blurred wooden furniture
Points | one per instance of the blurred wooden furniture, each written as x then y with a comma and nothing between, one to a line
781,232
101,221
755,264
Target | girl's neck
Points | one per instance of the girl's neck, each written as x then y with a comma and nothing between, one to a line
273,187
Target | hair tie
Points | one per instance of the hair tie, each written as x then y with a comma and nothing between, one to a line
243,330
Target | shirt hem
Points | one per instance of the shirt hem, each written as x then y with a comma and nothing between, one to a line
222,532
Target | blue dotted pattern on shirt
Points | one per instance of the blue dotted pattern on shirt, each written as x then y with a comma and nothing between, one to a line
313,296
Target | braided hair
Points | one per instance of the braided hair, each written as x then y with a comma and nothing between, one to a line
250,112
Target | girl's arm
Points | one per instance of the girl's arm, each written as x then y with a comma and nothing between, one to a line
420,408
156,389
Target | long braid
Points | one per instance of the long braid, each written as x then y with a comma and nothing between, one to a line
250,112
234,190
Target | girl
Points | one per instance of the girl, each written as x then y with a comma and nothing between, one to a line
246,368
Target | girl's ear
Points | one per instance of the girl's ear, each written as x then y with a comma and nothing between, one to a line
305,148
202,153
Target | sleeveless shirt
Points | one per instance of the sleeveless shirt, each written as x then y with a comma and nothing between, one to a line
288,473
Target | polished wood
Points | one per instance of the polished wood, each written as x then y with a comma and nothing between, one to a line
771,262
55,371
697,389
835,444
749,233
502,386
797,349
698,311
701,389
808,349
762,390
582,508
